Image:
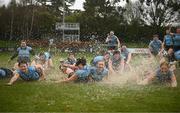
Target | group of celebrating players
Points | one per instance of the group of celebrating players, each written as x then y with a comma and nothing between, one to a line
115,61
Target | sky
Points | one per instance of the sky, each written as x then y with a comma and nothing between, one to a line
4,1
77,5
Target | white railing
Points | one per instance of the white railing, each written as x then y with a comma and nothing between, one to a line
67,26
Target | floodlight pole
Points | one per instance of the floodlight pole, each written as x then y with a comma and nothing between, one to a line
63,18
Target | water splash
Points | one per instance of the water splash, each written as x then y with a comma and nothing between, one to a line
140,66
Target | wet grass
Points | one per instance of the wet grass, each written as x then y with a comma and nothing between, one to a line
8,43
52,97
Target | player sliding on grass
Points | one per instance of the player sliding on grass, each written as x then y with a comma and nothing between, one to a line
71,61
99,72
80,75
106,57
27,73
69,66
162,75
5,73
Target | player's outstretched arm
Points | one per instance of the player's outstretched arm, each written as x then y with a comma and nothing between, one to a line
13,79
173,81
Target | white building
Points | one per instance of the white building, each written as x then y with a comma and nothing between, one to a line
70,31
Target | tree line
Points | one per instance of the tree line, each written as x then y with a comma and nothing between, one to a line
137,20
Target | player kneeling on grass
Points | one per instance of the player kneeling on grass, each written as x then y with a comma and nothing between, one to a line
27,73
162,75
99,72
80,75
5,73
127,55
170,58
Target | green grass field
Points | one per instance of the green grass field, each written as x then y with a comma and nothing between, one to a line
47,96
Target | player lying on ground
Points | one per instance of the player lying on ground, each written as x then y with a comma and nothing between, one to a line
5,73
106,57
27,73
70,61
80,75
86,73
98,72
69,66
162,75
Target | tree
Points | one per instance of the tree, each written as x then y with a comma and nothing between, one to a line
13,4
29,18
57,8
102,16
132,12
158,13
